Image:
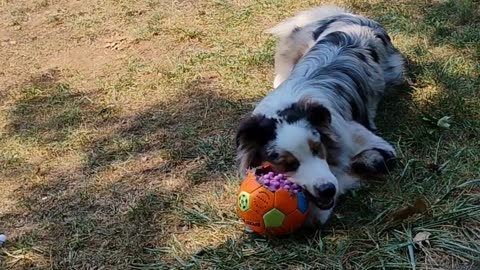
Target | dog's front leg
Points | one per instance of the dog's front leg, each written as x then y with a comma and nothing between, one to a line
372,154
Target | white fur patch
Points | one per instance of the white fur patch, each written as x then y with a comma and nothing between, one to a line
294,139
313,171
304,18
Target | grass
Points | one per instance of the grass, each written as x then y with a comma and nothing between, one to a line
110,159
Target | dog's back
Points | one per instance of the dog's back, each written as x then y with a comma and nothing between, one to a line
348,56
300,33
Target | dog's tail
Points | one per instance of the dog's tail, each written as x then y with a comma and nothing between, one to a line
303,18
296,39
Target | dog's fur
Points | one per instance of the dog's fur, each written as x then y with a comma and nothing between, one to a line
332,69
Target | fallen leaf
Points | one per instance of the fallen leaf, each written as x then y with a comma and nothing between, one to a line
422,237
110,44
403,213
444,122
115,45
182,228
419,207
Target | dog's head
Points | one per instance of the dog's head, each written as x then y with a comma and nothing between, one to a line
299,142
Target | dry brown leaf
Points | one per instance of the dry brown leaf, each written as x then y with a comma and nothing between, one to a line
116,43
419,207
109,44
422,237
182,228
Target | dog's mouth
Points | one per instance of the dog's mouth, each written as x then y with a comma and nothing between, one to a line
322,203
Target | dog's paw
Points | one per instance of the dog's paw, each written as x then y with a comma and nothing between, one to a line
373,162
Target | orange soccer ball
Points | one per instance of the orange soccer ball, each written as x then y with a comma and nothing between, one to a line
271,208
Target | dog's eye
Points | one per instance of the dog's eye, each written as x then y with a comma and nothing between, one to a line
272,156
317,149
292,165
323,137
286,163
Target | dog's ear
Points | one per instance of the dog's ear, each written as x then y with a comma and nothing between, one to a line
254,133
255,130
316,114
320,118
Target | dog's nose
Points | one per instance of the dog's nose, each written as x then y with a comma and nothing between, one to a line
326,190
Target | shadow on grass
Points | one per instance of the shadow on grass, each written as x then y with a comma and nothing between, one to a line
119,200
195,126
47,110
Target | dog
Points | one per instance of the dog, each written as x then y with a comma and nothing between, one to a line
317,125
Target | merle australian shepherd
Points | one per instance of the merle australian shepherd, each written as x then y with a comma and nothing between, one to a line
331,70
